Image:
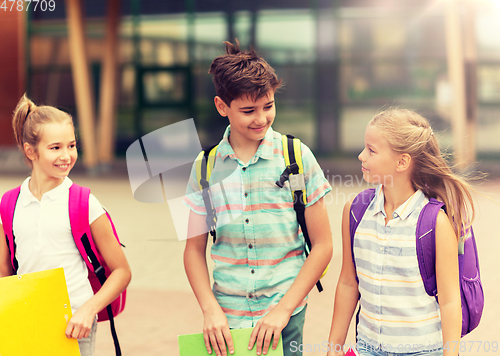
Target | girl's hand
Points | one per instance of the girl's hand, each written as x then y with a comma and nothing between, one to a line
269,326
80,323
216,333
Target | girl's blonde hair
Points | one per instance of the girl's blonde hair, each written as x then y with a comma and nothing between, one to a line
408,132
28,120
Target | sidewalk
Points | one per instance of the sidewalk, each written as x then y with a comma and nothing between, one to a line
160,303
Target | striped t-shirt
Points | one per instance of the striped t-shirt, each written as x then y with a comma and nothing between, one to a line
396,312
259,248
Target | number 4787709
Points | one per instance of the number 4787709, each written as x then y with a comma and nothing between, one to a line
472,346
22,5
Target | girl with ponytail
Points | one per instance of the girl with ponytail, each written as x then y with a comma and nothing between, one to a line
41,225
396,315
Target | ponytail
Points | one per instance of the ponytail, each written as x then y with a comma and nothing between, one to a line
435,178
24,107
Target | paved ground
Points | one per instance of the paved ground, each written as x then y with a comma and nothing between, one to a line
160,304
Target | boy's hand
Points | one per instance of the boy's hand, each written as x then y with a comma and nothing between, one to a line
270,326
216,333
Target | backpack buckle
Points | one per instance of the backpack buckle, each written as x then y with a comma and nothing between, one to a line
211,220
290,169
204,184
99,271
101,274
211,212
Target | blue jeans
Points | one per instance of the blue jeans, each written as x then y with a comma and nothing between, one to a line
87,345
291,335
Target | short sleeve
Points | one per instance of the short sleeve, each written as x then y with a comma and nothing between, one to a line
95,209
317,185
193,199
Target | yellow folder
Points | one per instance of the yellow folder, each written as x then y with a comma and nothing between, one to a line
34,309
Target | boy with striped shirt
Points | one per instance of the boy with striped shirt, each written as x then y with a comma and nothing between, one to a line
261,276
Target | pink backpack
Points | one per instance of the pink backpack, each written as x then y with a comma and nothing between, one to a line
80,228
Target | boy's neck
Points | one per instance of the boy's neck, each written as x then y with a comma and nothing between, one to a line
243,149
40,185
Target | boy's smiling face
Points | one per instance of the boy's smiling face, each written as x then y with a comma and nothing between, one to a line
249,119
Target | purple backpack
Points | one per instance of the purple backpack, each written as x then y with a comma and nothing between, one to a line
80,228
471,290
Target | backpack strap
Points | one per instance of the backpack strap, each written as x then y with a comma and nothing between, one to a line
7,208
205,163
294,172
426,244
358,209
80,228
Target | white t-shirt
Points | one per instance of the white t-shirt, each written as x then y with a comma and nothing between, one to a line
44,241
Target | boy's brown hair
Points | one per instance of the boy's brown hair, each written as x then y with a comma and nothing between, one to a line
242,72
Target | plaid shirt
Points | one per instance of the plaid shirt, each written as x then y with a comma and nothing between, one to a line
259,249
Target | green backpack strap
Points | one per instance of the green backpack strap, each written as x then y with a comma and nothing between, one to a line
205,163
294,172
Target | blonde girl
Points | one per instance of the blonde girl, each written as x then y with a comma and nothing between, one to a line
396,315
41,225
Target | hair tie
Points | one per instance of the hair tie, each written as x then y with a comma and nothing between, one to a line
27,113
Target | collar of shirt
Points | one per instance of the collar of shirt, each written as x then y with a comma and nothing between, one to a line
404,210
26,197
265,149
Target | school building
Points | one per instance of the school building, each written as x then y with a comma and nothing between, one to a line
124,68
